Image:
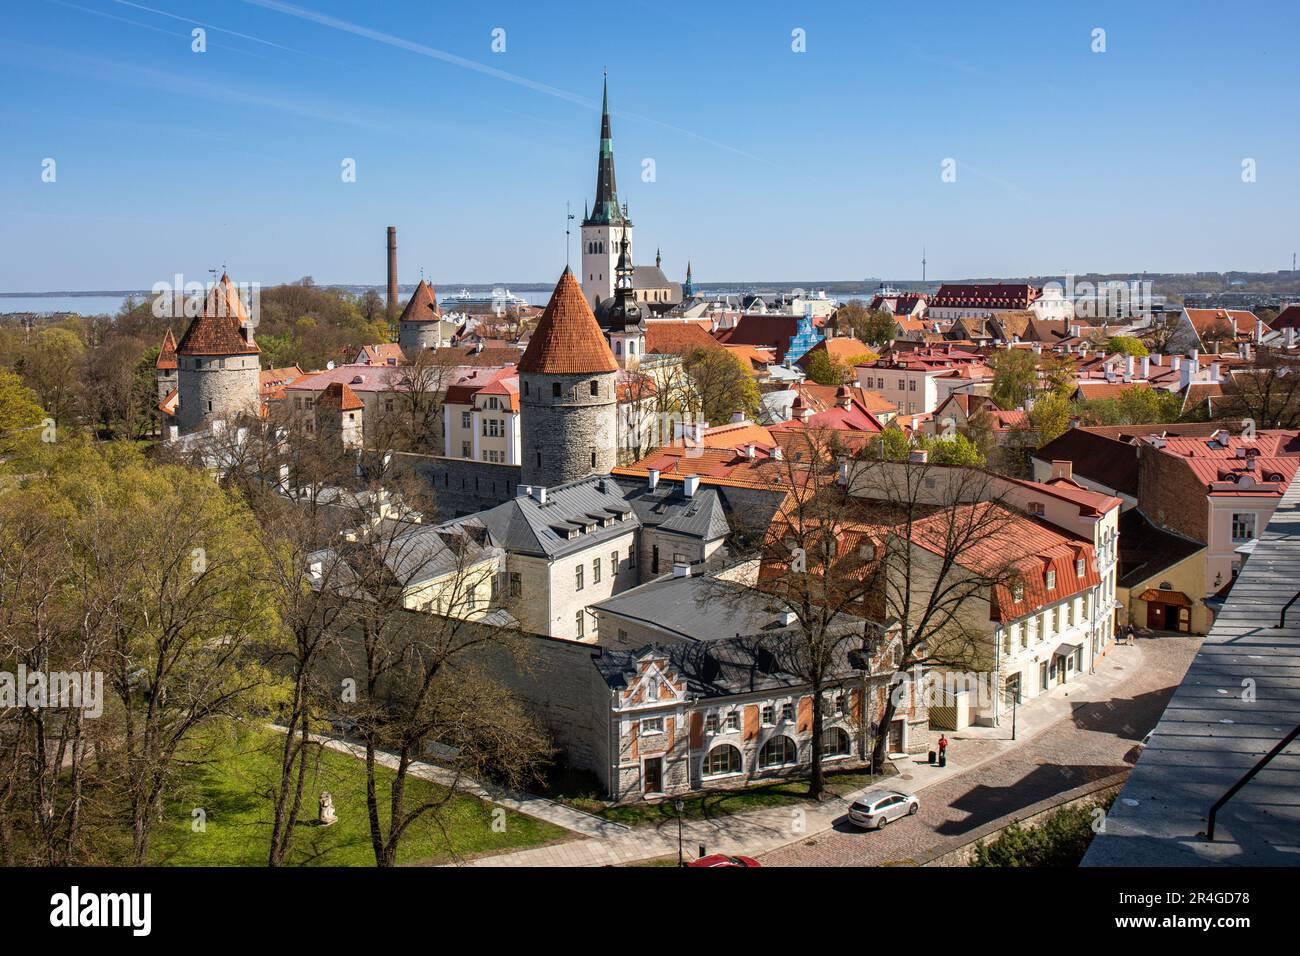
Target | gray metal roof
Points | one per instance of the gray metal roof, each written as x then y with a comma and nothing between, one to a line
1213,732
667,507
696,608
524,525
705,608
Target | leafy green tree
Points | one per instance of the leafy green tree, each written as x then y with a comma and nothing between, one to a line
1050,417
722,385
1127,345
824,370
954,450
1133,406
52,367
19,405
148,574
1015,376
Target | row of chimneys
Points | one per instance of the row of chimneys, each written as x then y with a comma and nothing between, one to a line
690,483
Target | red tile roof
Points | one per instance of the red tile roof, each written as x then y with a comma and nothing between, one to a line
567,340
385,353
222,328
338,395
842,348
677,338
1271,461
757,357
769,331
1091,391
273,380
1288,318
1028,548
167,352
955,295
423,305
1236,323
503,381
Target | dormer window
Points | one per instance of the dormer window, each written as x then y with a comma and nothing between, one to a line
1051,580
1079,567
1018,593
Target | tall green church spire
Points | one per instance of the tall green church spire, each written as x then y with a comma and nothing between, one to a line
606,210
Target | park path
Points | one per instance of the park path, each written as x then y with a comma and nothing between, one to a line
1079,732
584,824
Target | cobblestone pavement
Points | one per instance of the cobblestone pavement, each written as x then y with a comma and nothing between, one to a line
1095,739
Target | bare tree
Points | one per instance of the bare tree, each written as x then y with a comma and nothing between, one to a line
425,611
417,390
1268,392
903,546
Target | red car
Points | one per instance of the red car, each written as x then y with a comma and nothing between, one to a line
718,859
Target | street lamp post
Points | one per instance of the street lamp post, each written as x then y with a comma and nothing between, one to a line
679,805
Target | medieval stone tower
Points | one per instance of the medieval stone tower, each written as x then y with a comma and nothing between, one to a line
219,369
568,403
165,367
420,326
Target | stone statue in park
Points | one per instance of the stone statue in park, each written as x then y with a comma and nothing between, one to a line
327,815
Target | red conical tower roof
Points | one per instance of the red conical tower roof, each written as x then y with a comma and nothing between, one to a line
568,341
222,328
423,306
167,352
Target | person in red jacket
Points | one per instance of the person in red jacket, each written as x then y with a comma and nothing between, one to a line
943,746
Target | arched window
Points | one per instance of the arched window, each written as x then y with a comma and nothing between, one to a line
595,387
778,751
835,742
724,759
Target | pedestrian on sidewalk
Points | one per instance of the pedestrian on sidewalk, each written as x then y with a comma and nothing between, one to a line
943,750
1129,635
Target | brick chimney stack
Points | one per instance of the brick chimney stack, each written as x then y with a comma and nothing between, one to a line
392,271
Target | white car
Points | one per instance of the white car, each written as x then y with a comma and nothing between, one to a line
879,807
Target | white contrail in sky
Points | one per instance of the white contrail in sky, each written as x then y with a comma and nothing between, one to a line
419,48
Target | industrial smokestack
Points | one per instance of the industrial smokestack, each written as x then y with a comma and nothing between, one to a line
392,270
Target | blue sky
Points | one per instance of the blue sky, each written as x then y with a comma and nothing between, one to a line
769,164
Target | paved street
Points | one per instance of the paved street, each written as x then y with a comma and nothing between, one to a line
1091,740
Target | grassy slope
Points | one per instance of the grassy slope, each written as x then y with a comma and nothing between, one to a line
232,785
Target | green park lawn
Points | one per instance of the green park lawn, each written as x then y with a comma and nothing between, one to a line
232,784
